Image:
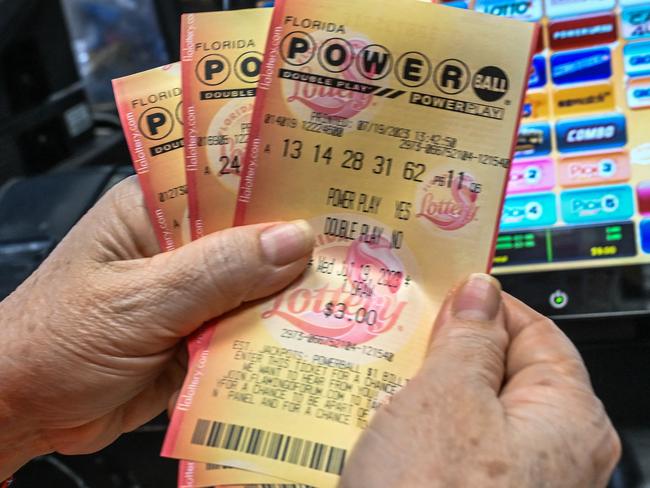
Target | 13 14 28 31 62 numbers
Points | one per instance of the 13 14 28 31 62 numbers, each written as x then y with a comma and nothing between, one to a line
353,160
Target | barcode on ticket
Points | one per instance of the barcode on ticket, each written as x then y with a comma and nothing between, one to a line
271,445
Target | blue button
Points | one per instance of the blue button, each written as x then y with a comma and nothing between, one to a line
644,230
534,140
591,134
637,59
530,10
603,204
535,210
538,73
581,66
566,8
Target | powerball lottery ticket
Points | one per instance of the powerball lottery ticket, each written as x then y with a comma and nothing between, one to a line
150,106
221,57
390,126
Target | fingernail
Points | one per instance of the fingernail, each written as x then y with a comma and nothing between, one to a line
479,299
286,243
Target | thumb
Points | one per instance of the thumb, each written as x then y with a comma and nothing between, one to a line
207,278
469,342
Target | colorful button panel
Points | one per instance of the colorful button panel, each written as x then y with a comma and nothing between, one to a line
581,66
535,175
536,210
603,204
635,22
637,59
578,152
591,134
583,32
594,169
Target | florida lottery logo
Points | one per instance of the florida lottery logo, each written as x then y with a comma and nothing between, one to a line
304,98
448,201
358,302
226,158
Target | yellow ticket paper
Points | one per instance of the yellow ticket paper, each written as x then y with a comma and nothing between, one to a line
150,106
389,125
221,56
221,60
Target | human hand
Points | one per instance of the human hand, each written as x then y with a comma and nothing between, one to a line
92,343
503,399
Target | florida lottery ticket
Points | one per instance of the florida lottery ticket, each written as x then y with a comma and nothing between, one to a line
151,107
151,111
390,126
221,57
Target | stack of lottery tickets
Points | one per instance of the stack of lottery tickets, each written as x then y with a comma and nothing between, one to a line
389,125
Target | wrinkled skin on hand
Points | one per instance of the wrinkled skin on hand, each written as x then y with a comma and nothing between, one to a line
503,400
93,342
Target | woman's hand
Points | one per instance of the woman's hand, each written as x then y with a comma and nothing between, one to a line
502,400
92,343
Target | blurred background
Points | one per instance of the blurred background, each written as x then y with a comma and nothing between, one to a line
62,147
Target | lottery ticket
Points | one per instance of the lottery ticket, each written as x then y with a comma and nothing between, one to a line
150,107
390,126
221,58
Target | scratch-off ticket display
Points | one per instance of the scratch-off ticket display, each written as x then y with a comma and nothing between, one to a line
390,126
221,57
150,106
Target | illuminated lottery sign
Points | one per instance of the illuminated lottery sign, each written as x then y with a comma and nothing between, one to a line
591,134
525,211
590,98
583,32
601,204
594,169
580,66
530,10
531,176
